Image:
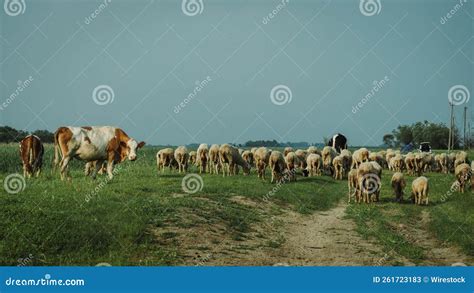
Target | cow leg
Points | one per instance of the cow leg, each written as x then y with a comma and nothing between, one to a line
110,168
64,167
97,169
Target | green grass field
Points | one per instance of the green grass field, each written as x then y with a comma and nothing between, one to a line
86,222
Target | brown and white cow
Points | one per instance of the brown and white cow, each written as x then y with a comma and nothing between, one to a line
31,153
97,143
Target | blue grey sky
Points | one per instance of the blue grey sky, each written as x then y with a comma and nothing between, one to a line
155,54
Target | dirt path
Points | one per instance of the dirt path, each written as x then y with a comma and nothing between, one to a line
291,239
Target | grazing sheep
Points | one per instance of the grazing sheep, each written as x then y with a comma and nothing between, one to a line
352,183
165,158
338,166
261,157
398,184
202,157
398,163
368,181
277,164
419,190
214,162
461,158
410,164
346,160
388,157
314,163
230,158
313,150
253,150
443,162
302,154
463,175
292,162
376,157
328,154
181,156
359,156
248,157
287,150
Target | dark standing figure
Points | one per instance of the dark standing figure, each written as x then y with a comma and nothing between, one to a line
338,142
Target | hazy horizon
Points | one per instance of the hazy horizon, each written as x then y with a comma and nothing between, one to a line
171,75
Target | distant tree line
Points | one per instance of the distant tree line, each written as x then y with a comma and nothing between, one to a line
435,133
9,134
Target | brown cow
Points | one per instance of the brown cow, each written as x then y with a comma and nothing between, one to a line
89,144
31,153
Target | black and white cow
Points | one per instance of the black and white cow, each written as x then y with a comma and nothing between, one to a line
339,142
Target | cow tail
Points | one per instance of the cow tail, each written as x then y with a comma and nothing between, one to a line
56,150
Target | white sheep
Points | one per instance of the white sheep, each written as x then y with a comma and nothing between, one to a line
292,162
398,185
202,157
328,154
165,158
338,166
214,162
261,157
181,156
419,190
314,164
277,165
359,156
463,175
230,158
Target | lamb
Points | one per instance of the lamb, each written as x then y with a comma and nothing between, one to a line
314,163
398,184
328,155
292,162
202,157
352,183
277,164
165,158
338,166
419,190
360,156
261,157
214,162
181,156
287,150
463,175
230,158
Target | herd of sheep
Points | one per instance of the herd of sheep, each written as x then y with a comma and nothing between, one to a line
362,168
